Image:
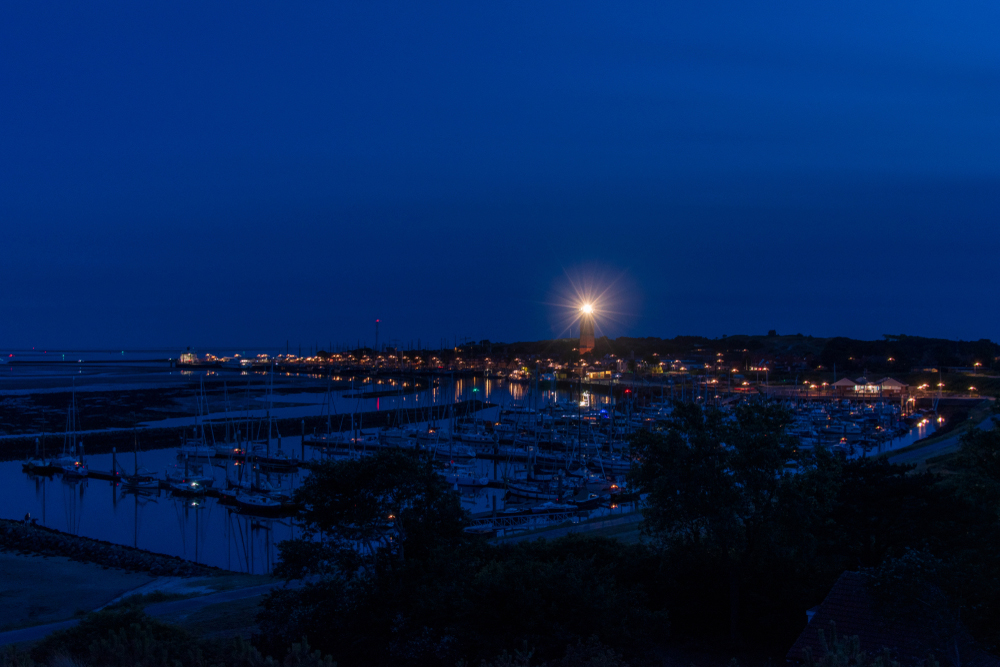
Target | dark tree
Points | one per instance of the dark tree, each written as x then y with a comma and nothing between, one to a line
721,490
392,502
978,461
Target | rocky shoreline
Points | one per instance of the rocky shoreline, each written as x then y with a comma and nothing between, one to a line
19,537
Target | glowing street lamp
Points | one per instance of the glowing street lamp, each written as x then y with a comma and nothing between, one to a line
587,309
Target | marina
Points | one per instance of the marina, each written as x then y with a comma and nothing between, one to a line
223,495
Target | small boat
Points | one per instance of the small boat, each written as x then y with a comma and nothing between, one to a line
61,461
197,445
336,439
182,480
531,491
450,450
256,503
186,474
278,459
612,465
592,501
70,445
33,465
476,438
228,496
250,485
187,487
464,475
142,479
35,462
196,449
227,449
545,508
77,470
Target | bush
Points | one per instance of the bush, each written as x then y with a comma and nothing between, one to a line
127,637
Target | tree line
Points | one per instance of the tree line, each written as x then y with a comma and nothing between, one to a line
743,531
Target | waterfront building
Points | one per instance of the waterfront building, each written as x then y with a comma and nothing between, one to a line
862,388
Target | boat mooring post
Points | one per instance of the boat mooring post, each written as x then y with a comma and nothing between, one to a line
114,462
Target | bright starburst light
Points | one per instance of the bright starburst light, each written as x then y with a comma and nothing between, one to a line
594,293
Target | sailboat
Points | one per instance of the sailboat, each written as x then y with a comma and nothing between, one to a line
257,503
69,439
463,474
76,469
34,463
262,451
330,438
140,479
185,480
197,446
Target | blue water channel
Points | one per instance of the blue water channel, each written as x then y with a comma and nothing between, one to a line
207,532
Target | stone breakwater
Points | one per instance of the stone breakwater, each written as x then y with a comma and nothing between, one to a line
19,537
153,437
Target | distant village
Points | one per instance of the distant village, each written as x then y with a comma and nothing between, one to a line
797,365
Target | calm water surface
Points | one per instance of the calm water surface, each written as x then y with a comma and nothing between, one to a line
207,532
203,530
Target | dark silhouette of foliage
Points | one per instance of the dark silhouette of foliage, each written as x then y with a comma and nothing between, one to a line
393,501
720,490
127,637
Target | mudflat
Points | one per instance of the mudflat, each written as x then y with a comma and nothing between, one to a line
39,589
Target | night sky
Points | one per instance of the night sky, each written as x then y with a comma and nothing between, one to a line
214,174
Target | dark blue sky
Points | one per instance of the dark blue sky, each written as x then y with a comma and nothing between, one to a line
248,173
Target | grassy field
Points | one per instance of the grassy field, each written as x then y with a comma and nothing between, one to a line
626,532
37,589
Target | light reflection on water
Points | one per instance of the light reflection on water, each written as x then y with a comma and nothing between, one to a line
201,530
204,530
214,534
918,432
